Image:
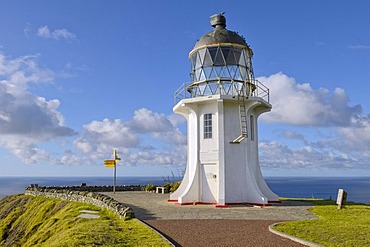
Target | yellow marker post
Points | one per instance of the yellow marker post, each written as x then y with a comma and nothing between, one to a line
112,164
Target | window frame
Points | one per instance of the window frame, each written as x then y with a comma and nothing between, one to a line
207,126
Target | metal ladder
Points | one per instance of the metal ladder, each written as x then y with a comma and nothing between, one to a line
242,118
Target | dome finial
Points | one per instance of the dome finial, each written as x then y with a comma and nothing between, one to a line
218,20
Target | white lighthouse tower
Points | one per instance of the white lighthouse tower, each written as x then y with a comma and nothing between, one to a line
222,104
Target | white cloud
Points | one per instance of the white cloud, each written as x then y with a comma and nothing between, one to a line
158,125
23,70
342,131
106,134
27,119
25,149
299,104
130,138
56,34
355,138
277,155
146,121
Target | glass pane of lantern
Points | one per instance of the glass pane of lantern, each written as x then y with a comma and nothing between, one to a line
231,58
192,76
201,55
232,70
207,90
198,62
197,74
225,52
243,72
238,87
226,87
207,72
219,60
202,75
213,86
238,75
194,91
193,59
198,92
225,73
218,70
237,52
242,59
213,52
207,59
213,74
201,88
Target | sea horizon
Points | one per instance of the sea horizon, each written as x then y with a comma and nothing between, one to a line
320,187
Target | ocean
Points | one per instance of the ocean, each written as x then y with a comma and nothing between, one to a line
358,188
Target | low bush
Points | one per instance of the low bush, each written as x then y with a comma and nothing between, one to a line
150,187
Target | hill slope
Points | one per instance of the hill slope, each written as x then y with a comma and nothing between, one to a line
39,221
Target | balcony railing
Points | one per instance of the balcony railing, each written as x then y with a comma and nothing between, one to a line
223,87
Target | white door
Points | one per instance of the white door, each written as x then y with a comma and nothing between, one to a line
209,183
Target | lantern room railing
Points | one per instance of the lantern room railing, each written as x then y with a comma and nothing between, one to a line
223,87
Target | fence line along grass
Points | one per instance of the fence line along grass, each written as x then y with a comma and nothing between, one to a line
349,226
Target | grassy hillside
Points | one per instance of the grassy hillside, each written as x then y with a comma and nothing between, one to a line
39,221
349,226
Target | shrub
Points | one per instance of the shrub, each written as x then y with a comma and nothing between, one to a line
150,187
175,186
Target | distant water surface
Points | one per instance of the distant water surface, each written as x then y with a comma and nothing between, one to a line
358,188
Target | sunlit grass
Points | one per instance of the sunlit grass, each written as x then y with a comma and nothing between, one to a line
349,226
39,221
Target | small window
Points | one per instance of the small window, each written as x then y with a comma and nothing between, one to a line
252,127
208,126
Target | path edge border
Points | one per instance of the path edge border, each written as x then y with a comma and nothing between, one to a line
293,238
157,232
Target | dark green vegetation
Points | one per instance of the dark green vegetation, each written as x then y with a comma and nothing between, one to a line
40,221
349,226
172,186
169,186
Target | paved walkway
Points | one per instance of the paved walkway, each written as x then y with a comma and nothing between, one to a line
152,206
205,225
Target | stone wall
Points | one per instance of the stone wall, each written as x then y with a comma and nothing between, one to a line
82,194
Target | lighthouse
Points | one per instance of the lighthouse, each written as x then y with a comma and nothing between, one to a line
222,104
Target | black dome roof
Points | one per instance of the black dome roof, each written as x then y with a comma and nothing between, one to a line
220,34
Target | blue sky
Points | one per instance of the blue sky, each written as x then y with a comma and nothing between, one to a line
80,78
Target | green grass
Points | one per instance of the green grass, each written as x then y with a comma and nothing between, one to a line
349,226
39,221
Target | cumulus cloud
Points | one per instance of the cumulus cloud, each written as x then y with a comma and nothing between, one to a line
299,104
342,131
278,155
355,138
56,34
25,149
23,70
158,125
28,121
100,137
146,121
25,118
